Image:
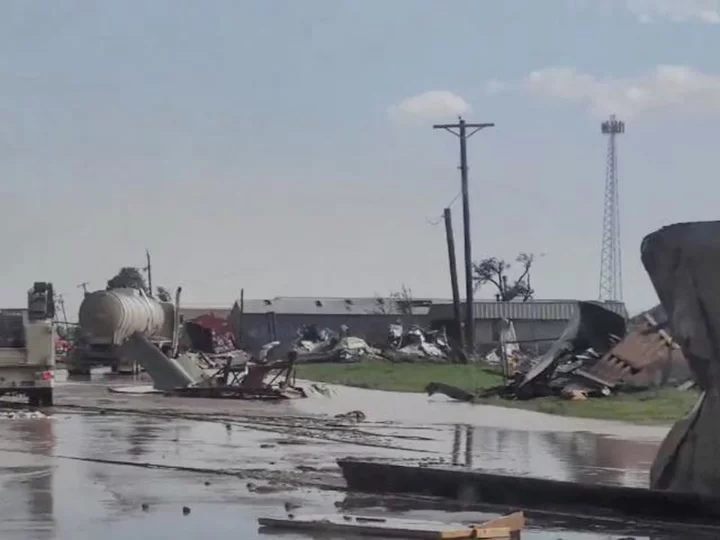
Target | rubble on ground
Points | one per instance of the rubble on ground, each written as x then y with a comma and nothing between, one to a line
416,345
508,354
595,356
228,375
209,334
316,345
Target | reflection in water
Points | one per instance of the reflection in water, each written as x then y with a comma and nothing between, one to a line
592,458
575,456
39,439
469,435
142,434
457,438
457,442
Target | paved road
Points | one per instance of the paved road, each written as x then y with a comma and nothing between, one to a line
87,471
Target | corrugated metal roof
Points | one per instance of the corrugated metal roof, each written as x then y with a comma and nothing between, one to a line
333,306
549,310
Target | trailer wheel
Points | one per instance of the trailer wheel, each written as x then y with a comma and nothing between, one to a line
33,399
46,397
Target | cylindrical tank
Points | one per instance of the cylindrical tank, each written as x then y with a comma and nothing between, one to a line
113,316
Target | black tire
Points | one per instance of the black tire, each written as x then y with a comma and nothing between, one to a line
34,399
46,397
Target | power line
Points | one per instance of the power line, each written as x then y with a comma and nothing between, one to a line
441,218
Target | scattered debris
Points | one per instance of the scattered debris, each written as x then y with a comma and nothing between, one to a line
134,390
23,415
532,493
353,416
503,527
417,345
210,334
322,345
594,357
194,375
450,391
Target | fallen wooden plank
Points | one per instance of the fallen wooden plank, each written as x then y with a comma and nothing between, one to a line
387,527
514,522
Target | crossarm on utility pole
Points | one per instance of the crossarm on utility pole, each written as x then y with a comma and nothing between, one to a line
463,135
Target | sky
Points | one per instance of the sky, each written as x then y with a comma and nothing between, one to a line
286,148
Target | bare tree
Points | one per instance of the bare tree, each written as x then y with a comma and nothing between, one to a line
164,295
495,272
397,303
403,300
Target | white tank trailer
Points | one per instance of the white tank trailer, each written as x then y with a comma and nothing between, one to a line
108,318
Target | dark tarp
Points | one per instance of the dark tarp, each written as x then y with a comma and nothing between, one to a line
683,262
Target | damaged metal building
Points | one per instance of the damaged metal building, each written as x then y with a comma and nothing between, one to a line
537,322
257,322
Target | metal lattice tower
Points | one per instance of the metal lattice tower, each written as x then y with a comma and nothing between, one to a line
610,258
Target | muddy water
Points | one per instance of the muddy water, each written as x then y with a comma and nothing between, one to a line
84,474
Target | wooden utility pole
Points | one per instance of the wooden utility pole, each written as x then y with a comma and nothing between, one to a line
148,269
61,302
453,276
240,329
462,133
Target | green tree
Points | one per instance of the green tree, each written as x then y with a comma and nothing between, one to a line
129,277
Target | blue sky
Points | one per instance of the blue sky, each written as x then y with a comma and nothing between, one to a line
285,146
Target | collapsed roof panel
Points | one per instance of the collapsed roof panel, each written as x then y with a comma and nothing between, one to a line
591,326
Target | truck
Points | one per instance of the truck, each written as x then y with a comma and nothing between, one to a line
27,348
107,318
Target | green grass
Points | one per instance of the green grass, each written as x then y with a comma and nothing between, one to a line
399,377
647,407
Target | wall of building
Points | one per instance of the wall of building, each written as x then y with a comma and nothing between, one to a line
372,327
537,335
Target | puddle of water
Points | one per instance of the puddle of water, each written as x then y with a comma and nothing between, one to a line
55,497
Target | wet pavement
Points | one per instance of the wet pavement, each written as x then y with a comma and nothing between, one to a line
88,470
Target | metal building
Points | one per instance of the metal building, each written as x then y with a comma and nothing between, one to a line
537,322
257,322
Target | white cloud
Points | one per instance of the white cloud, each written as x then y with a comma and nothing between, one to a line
432,104
494,86
666,87
649,11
